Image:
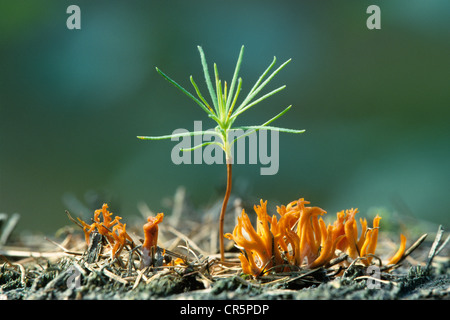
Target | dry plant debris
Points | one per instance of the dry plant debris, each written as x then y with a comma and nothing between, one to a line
170,260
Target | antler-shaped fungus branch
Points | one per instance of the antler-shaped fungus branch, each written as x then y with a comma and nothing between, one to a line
300,233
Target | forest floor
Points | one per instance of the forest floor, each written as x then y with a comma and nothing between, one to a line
63,268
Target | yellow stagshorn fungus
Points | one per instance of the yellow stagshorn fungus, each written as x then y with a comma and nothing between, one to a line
112,229
301,238
401,250
150,239
258,249
116,237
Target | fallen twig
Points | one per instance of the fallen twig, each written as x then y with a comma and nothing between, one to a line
434,248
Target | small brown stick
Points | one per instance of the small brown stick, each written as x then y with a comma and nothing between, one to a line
139,276
113,276
337,260
9,227
157,276
434,248
414,246
186,239
62,248
79,268
447,240
22,274
73,220
376,279
18,265
18,252
189,250
308,273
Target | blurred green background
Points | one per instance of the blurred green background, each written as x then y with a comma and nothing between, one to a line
375,104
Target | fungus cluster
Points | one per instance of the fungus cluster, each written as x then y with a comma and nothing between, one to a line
116,237
300,237
112,229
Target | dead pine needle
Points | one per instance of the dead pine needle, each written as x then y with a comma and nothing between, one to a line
434,247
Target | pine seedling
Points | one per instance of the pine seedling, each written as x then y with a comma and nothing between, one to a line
224,110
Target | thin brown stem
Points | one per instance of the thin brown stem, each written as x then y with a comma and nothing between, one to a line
222,212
